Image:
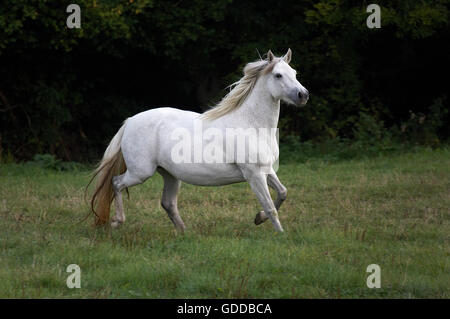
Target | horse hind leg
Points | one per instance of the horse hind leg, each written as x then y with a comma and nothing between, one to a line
120,182
169,198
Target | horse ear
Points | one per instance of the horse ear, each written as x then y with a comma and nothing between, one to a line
270,56
287,57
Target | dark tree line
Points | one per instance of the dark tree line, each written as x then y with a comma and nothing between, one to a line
65,91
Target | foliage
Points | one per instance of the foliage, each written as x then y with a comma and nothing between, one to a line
66,91
293,150
424,128
371,138
48,161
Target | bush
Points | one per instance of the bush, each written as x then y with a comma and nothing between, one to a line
424,129
48,161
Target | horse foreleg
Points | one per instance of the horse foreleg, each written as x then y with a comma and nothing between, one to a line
273,182
258,183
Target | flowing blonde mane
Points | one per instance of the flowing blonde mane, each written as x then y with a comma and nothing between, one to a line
240,89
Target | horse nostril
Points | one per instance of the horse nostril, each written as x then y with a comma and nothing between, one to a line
303,95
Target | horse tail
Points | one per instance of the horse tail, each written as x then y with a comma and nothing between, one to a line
111,165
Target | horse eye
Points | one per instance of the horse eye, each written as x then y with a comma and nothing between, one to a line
278,76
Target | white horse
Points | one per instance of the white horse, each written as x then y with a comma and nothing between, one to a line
145,144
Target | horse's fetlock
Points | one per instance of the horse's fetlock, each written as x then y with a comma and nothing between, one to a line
168,205
283,194
272,212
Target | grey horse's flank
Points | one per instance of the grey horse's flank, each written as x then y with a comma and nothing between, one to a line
147,141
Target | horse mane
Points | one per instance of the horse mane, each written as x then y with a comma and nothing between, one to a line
241,89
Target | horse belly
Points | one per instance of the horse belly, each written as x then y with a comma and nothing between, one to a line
206,174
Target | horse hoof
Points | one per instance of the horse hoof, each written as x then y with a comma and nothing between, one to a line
260,218
116,224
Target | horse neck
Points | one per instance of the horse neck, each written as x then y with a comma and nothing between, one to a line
260,109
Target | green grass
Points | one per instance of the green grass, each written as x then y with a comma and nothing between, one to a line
339,218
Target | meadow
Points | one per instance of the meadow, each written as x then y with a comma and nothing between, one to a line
339,217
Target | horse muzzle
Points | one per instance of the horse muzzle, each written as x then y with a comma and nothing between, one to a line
301,97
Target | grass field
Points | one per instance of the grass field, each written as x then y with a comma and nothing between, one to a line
339,217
